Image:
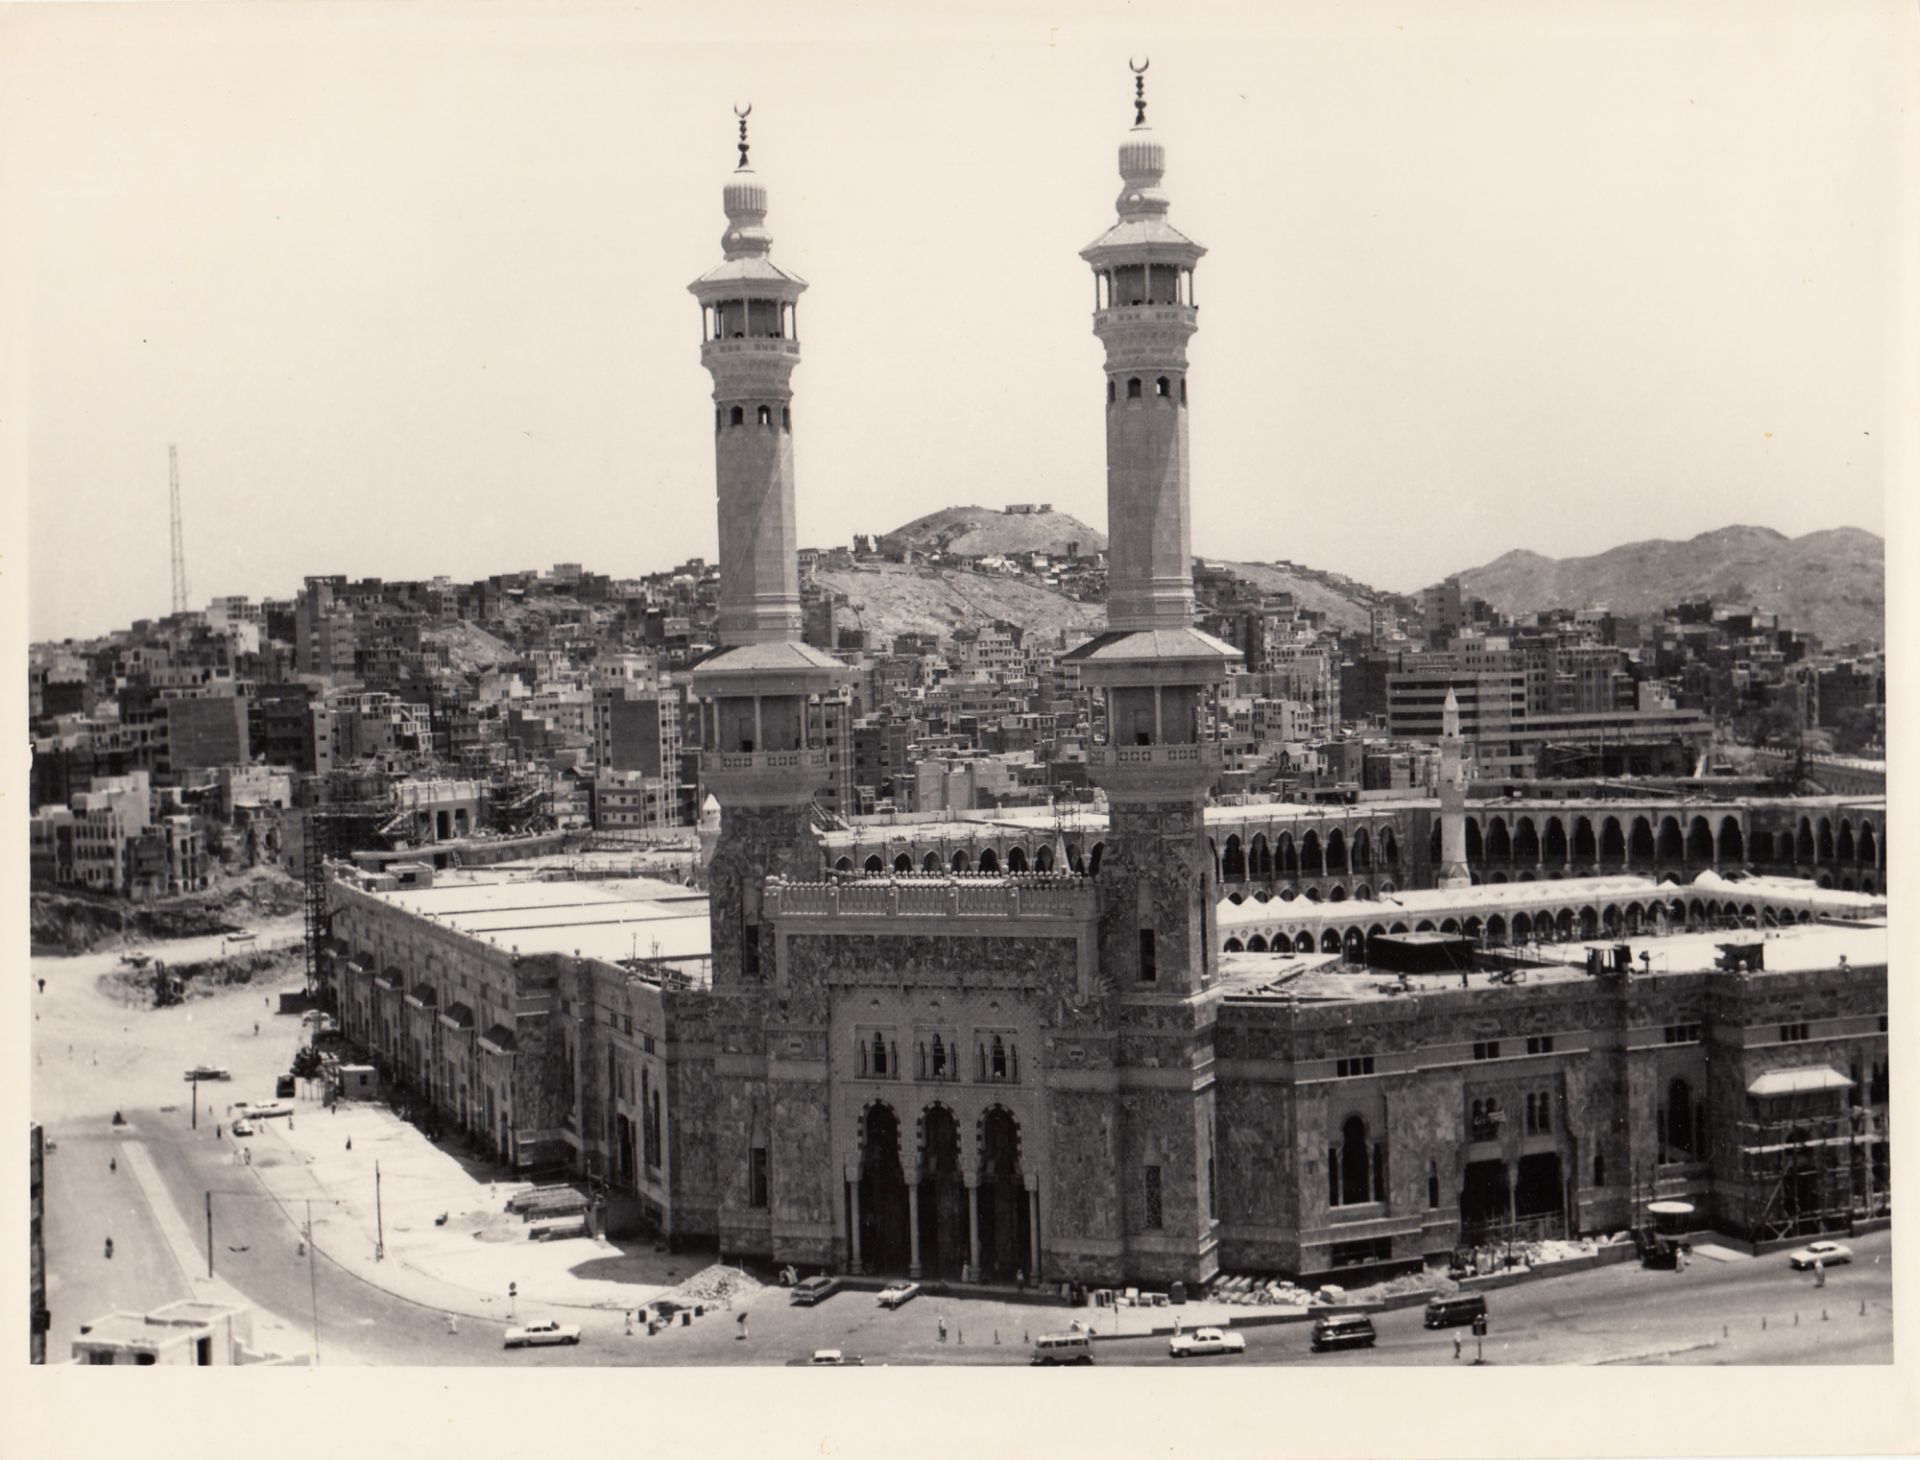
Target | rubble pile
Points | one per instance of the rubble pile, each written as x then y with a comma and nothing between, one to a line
715,1284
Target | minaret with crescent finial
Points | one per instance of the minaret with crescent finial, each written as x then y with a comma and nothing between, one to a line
1159,674
1160,679
755,758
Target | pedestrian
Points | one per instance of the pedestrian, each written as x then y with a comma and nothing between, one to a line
113,1163
349,1143
216,1131
943,1328
629,1317
1456,1346
43,985
742,1320
249,1155
256,1027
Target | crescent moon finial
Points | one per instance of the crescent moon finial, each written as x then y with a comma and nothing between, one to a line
1139,88
743,114
742,144
1141,68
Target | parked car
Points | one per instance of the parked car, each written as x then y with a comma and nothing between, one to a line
1341,1330
894,1294
813,1290
243,1127
266,1110
208,1072
828,1358
1825,1253
542,1331
1452,1311
1203,1342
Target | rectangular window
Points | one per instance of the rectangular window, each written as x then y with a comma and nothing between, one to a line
1150,1191
1486,1049
757,1178
1149,961
1682,1034
1539,1044
1793,1033
1348,1069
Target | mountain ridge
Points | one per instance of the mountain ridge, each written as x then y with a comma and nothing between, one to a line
1830,582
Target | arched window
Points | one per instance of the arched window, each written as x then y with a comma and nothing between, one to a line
738,416
764,415
873,864
998,1059
1162,387
879,1053
1133,387
1183,390
786,418
939,1058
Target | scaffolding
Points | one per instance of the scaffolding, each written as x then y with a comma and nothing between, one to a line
328,833
1797,1175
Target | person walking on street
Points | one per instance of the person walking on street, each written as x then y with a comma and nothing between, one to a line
113,1163
1456,1346
943,1327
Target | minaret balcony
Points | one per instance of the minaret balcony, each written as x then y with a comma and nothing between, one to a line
764,777
749,345
1152,772
1187,315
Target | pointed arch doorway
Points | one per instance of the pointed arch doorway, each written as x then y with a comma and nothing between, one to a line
1006,1248
881,1209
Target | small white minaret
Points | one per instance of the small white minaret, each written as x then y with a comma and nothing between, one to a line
1453,800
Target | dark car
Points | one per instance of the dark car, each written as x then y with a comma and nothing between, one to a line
1341,1330
1453,1311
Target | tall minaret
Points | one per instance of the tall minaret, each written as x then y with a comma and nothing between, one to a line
1160,677
1453,799
754,758
1159,674
756,687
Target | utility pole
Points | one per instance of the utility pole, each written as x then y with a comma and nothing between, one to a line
313,1285
196,1104
179,550
379,1221
209,1234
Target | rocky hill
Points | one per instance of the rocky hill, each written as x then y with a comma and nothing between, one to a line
1308,592
1830,583
980,531
889,599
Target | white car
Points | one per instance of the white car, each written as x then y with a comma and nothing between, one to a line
242,1127
1204,1341
894,1294
267,1110
1827,1254
546,1330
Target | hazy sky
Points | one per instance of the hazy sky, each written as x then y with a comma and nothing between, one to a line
408,286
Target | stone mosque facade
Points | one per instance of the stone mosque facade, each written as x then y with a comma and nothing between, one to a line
1065,1051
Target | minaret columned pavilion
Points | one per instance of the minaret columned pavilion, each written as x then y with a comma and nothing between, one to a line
1160,678
754,692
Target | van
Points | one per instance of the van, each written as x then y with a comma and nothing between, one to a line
1063,1348
1453,1311
806,1294
1341,1330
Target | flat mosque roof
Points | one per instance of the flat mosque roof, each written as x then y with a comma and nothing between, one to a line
609,920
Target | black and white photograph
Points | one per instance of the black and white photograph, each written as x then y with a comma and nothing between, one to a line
756,688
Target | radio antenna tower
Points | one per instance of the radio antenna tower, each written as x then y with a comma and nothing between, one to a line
179,550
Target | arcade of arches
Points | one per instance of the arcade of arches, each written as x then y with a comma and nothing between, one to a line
918,1207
